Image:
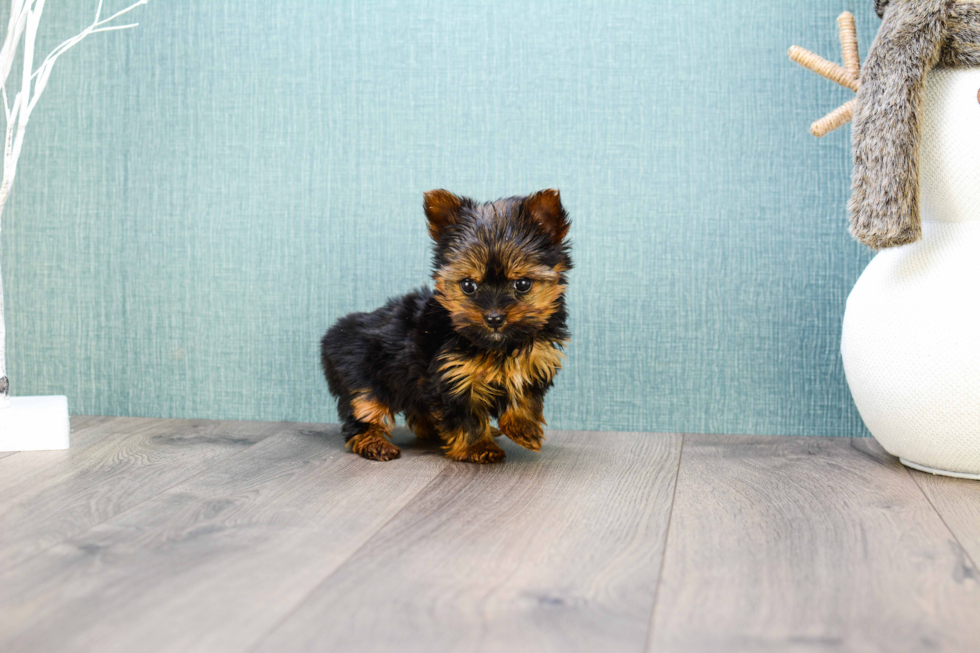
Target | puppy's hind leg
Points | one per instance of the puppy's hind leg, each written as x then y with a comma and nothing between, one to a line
367,427
423,426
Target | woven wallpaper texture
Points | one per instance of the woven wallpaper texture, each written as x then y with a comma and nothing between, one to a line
200,197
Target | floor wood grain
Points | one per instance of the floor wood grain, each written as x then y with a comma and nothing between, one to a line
958,502
161,535
557,551
213,562
802,544
79,422
113,464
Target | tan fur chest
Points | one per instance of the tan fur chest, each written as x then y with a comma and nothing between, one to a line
487,376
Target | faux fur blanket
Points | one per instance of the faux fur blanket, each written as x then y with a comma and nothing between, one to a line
915,36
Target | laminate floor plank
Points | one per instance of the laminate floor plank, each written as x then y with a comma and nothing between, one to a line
112,465
79,422
216,561
554,551
169,535
6,454
803,544
957,501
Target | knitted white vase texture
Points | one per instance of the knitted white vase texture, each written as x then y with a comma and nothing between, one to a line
911,333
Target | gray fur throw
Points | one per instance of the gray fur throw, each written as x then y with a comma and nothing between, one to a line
916,35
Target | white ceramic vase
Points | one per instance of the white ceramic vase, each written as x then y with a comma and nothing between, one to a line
911,333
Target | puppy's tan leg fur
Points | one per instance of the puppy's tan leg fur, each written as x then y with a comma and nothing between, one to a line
522,423
424,427
374,443
463,446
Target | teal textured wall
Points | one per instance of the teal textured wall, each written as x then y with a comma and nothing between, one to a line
200,197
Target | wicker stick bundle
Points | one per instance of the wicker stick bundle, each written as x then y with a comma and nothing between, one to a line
848,76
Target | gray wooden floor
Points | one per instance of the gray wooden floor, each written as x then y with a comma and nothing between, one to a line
165,535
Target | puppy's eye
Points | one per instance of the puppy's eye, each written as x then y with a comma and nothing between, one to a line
522,285
468,286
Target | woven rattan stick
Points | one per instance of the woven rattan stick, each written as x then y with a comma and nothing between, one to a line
821,66
836,118
848,77
849,44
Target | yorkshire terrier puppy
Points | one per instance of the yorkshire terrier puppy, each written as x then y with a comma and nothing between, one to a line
485,344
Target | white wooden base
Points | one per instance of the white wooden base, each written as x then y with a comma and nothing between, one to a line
34,424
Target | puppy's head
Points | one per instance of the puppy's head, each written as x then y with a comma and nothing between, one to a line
500,266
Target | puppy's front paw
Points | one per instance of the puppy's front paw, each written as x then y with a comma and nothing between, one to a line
525,433
373,447
484,451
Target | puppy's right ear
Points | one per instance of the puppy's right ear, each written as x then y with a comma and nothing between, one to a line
442,211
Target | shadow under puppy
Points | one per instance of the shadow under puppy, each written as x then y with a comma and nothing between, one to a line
485,344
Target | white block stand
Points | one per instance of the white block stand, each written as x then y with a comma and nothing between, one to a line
34,424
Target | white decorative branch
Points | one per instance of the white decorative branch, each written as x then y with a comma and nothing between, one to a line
25,16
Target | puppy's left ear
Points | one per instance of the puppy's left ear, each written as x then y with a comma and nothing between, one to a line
544,207
442,211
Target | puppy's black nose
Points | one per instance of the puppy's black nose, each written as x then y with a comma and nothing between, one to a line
494,320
